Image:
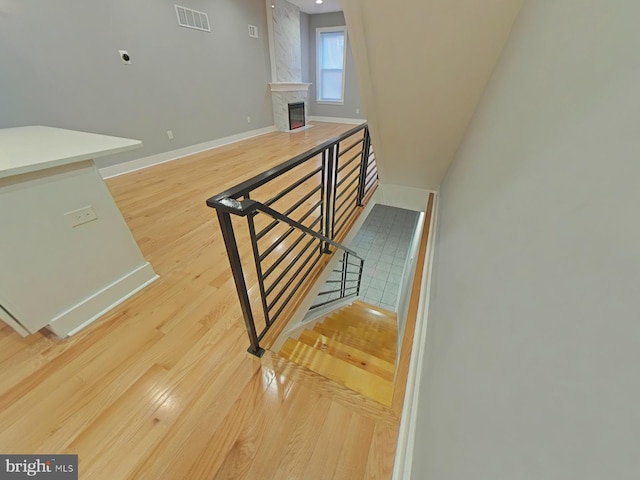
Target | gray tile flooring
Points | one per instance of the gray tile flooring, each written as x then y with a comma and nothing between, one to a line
383,242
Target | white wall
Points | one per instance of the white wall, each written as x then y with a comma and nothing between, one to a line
534,333
422,67
60,67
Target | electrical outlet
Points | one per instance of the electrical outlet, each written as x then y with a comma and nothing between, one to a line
81,216
248,119
169,134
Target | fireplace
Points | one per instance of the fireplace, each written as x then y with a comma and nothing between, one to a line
296,115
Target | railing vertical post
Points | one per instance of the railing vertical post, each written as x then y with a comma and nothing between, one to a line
359,277
345,266
328,164
336,166
256,256
236,270
364,163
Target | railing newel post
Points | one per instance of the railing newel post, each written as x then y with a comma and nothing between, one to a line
238,276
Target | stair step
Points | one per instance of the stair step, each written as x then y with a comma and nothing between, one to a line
371,346
351,355
357,319
373,309
340,371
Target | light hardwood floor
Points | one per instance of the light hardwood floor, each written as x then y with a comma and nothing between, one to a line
162,386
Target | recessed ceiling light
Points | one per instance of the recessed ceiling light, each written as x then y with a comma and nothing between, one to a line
273,6
319,2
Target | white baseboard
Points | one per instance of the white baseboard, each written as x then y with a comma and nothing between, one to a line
92,308
399,196
140,163
406,435
355,121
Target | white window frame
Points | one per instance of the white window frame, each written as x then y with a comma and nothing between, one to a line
320,31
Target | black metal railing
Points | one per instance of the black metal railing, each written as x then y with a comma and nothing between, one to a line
291,233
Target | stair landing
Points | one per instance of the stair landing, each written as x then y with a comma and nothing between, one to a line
354,347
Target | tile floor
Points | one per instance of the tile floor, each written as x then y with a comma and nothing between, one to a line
383,242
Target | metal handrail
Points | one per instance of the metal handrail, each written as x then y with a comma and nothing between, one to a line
265,177
278,282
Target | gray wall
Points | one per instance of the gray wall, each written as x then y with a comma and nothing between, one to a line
351,90
60,67
534,333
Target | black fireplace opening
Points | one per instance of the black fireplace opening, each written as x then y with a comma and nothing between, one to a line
296,115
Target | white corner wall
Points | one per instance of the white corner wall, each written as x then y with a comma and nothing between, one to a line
534,332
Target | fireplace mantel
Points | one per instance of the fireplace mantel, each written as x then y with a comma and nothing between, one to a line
289,87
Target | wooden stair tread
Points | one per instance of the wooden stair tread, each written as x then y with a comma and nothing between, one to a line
356,320
367,308
351,355
365,345
340,371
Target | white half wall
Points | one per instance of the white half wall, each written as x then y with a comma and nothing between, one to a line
534,334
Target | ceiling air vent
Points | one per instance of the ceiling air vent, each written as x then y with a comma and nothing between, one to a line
192,19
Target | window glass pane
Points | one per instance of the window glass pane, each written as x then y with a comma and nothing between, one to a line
332,50
331,85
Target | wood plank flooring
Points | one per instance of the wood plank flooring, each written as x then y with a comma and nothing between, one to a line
162,386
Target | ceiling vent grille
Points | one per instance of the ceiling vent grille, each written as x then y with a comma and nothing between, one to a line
192,19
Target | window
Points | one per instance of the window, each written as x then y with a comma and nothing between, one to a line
331,44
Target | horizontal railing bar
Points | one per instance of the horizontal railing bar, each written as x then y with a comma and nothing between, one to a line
290,266
265,177
329,292
369,177
346,189
293,292
339,228
293,277
344,179
279,216
279,260
275,245
273,224
350,147
349,162
371,183
318,305
344,202
290,188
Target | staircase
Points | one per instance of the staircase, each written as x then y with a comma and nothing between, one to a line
354,346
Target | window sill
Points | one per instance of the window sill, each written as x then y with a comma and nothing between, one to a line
326,102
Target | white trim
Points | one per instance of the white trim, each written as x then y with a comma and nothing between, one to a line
407,432
145,162
404,197
272,43
289,86
355,121
328,102
92,308
319,32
